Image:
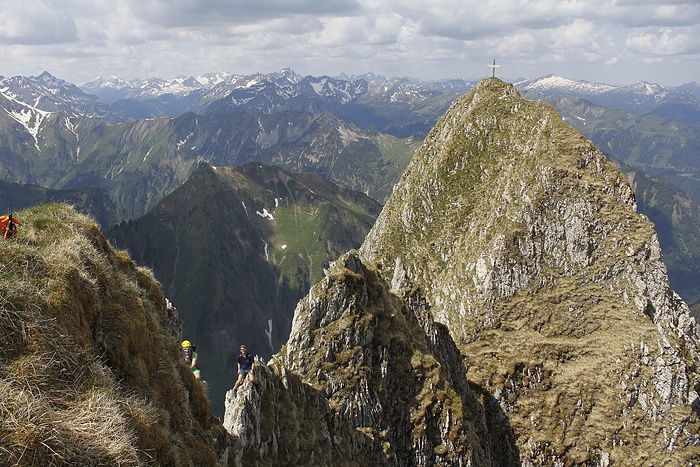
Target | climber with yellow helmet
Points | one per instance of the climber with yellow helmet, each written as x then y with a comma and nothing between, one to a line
190,357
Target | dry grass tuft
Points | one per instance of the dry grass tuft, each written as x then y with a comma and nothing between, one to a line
89,366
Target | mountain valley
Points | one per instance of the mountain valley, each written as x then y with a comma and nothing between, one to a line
236,247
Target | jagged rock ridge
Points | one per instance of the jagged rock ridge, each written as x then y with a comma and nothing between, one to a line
366,378
236,247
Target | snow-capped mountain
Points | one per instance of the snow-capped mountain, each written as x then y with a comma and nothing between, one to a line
400,106
28,117
273,92
50,94
270,92
115,88
364,100
557,85
641,97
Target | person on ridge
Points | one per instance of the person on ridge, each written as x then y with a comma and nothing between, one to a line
246,363
190,357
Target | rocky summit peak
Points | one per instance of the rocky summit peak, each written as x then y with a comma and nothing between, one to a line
509,307
527,245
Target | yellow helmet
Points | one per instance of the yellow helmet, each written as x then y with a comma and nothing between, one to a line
186,344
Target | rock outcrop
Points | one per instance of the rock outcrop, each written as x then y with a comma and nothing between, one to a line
509,307
366,378
236,248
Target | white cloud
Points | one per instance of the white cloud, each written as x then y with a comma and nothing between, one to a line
577,34
386,28
519,43
340,31
36,23
79,39
664,41
201,13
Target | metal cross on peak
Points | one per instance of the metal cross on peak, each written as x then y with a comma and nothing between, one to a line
494,66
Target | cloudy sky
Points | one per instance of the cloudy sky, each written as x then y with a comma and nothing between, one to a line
611,41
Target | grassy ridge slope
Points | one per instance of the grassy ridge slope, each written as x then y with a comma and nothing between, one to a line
89,362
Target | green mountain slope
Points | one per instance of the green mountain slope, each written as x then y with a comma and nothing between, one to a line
664,148
90,364
138,163
235,249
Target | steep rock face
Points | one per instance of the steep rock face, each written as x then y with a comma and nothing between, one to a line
677,222
525,242
366,378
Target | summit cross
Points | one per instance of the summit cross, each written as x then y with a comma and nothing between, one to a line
494,66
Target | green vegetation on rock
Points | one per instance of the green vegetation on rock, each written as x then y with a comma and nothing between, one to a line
361,383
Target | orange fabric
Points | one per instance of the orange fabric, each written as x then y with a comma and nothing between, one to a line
4,222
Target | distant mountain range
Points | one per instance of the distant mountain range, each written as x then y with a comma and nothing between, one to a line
46,93
398,106
92,201
141,161
41,122
119,100
640,98
273,92
139,140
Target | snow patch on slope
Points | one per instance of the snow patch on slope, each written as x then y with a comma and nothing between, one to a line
29,117
553,83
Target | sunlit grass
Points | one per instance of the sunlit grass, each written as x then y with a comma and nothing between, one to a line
88,365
